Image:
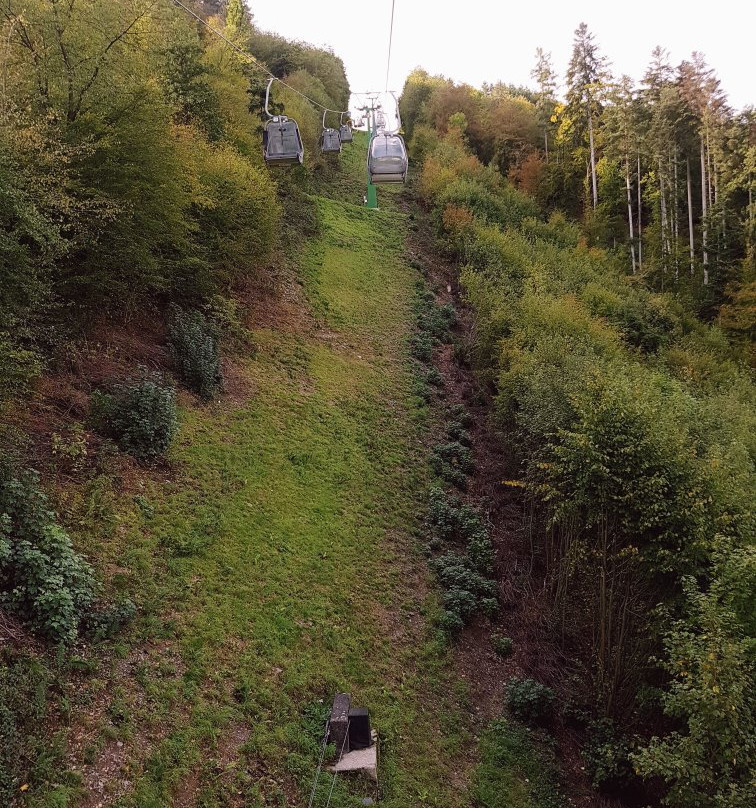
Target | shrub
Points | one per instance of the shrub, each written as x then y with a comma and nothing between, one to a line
465,589
140,415
42,579
456,432
194,346
421,346
106,622
450,622
452,462
458,412
607,756
529,700
502,646
434,378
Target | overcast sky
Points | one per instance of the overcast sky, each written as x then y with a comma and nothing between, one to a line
491,40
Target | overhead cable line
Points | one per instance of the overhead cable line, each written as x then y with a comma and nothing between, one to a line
391,39
253,61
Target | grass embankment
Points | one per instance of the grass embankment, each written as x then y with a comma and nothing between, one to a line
287,569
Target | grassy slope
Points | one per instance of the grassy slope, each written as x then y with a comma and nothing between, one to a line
287,571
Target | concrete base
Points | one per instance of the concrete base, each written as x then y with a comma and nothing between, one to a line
360,760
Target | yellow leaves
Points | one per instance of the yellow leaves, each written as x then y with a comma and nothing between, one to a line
514,483
24,787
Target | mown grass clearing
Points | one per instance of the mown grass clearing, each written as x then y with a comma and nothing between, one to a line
286,567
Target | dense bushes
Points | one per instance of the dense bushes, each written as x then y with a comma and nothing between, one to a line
630,425
464,573
529,700
42,579
194,346
140,415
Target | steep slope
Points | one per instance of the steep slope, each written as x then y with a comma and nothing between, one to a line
274,561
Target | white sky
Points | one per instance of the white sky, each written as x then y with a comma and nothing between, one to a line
489,40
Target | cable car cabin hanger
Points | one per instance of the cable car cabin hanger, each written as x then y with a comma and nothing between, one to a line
330,139
345,130
282,143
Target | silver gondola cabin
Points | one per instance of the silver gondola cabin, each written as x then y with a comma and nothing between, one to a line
282,143
345,131
387,158
330,139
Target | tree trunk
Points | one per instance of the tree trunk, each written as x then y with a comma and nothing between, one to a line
640,219
691,240
704,213
663,209
593,159
630,211
676,213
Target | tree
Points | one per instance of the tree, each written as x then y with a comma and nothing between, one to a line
237,16
622,127
546,78
587,74
710,761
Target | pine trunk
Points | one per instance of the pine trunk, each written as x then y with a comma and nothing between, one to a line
676,213
640,218
663,209
630,211
704,214
691,240
593,160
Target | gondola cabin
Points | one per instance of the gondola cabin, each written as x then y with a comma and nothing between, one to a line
282,143
387,159
330,141
345,131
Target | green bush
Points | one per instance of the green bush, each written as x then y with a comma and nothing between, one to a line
507,207
450,622
455,454
529,700
434,378
466,591
42,579
421,346
453,462
194,346
607,756
502,646
458,412
140,415
456,432
106,622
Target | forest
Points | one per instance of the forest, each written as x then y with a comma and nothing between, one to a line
605,243
212,400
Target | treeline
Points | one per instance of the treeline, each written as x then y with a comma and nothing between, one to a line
629,426
131,172
663,173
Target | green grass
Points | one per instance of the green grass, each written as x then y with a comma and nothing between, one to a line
517,769
276,565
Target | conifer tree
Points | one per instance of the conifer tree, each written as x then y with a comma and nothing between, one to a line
546,78
587,74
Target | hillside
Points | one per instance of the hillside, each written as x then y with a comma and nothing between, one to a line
482,457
